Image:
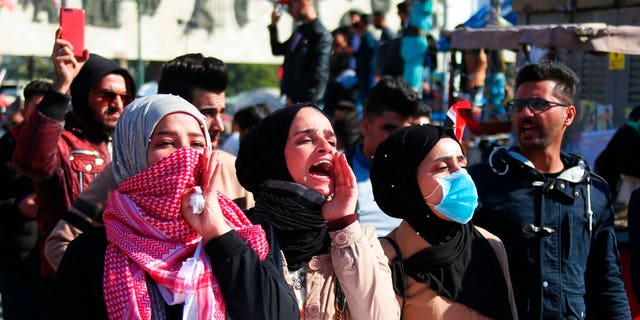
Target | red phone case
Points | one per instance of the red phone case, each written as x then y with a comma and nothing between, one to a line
72,23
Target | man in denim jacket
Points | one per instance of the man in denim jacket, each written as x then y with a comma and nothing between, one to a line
553,215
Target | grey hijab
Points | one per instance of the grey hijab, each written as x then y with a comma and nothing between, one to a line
135,126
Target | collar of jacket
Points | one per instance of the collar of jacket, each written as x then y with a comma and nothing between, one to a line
502,160
567,185
82,127
309,28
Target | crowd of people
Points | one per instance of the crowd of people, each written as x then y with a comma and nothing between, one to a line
123,208
338,69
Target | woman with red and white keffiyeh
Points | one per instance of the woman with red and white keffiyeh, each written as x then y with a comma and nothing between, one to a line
172,246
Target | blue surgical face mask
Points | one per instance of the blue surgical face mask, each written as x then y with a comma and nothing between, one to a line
459,196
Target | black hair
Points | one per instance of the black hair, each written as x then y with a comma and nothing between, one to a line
248,117
634,115
365,18
193,71
566,80
344,30
36,87
424,109
354,12
404,6
348,131
391,94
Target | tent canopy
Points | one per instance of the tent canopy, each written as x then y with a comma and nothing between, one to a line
481,18
585,36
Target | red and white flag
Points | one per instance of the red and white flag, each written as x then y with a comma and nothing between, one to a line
459,117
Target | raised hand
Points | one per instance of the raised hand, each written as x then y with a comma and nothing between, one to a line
65,64
345,191
275,14
210,223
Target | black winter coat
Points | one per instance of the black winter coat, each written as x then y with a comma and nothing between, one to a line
306,61
251,289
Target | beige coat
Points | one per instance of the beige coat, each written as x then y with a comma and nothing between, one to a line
97,194
358,261
424,303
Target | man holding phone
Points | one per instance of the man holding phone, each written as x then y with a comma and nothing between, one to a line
63,151
306,53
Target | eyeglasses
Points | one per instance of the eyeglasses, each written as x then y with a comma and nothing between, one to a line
110,96
534,104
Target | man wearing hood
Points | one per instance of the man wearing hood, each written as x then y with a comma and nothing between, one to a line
553,215
63,151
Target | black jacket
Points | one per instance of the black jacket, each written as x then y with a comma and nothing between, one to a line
18,234
620,156
251,289
633,218
306,61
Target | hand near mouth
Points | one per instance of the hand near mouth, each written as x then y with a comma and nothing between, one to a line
345,192
211,223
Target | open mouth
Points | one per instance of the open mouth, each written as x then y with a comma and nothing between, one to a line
321,168
529,129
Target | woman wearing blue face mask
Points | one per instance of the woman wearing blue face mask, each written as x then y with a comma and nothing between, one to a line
443,266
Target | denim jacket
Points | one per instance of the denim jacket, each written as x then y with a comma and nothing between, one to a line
558,234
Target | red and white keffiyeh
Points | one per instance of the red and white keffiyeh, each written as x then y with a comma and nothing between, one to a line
147,234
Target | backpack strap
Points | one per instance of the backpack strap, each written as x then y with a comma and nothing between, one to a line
398,274
501,256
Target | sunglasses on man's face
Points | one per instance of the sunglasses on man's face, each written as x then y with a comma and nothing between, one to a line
110,96
534,104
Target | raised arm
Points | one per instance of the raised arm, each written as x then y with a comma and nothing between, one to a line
356,254
36,151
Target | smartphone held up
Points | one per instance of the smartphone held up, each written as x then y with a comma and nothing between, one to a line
281,7
72,24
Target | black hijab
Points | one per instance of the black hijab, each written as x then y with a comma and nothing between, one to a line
460,265
261,152
394,181
292,211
